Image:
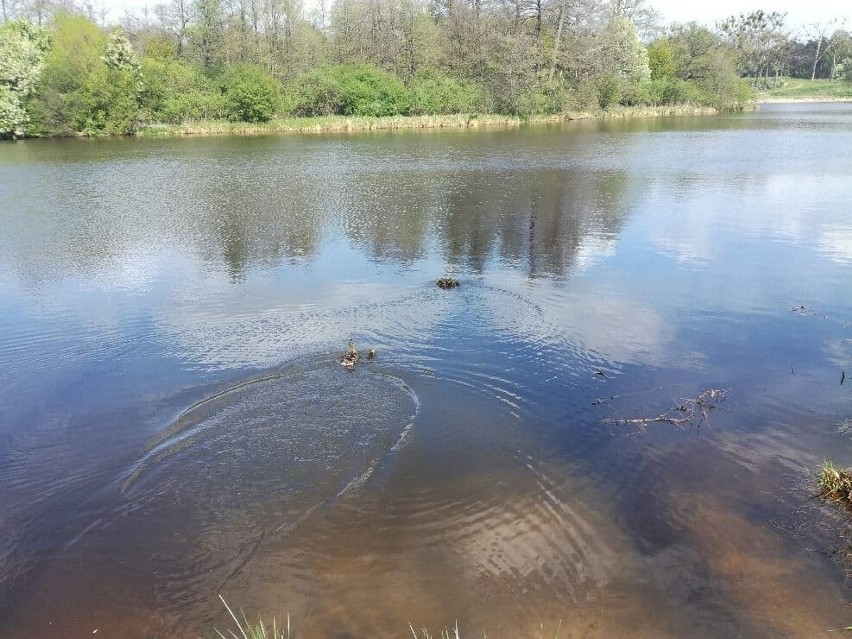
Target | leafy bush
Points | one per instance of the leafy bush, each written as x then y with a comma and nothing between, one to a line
13,117
436,93
108,103
582,96
366,90
350,90
315,93
675,91
179,92
609,91
637,94
194,106
548,99
251,94
541,98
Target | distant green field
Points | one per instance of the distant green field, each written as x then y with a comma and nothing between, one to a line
808,89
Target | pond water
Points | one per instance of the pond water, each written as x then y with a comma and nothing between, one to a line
174,423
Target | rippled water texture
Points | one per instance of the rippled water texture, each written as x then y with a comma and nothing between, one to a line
174,422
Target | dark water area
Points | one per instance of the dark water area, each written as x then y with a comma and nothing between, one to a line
174,423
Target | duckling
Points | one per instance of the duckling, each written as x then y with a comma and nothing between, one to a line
350,356
447,282
371,354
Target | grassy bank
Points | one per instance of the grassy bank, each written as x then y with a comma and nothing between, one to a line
340,123
798,90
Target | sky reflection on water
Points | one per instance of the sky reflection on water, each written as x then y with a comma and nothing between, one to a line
608,269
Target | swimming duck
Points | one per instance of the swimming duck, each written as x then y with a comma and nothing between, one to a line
351,356
447,282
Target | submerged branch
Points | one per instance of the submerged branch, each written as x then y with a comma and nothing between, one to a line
690,411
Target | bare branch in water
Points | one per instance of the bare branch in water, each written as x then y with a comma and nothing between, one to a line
691,411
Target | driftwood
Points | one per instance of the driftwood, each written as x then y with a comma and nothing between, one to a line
691,411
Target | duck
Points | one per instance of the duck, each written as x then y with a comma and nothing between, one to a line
447,282
351,356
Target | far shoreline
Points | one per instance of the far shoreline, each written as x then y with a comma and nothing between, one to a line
804,100
345,124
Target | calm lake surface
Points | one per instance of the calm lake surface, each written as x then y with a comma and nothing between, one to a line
174,423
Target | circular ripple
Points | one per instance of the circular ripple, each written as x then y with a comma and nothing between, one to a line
255,460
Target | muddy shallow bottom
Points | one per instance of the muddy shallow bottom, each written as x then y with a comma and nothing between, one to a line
357,502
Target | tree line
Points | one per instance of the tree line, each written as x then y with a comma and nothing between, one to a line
64,71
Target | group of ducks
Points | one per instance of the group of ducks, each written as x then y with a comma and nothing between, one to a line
351,356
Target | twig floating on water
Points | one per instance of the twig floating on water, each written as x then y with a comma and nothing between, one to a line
690,410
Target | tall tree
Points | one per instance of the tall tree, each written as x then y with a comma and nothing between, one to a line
22,51
760,41
207,32
77,45
818,32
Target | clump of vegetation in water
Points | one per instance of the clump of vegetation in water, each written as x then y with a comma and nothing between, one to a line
248,630
835,484
447,282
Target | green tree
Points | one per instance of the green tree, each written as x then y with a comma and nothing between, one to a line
721,85
661,59
622,66
207,32
705,71
77,44
691,44
111,95
22,51
759,41
108,103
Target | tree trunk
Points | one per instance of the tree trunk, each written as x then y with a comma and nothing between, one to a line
816,57
559,26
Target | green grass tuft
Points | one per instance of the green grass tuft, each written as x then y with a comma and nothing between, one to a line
248,630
